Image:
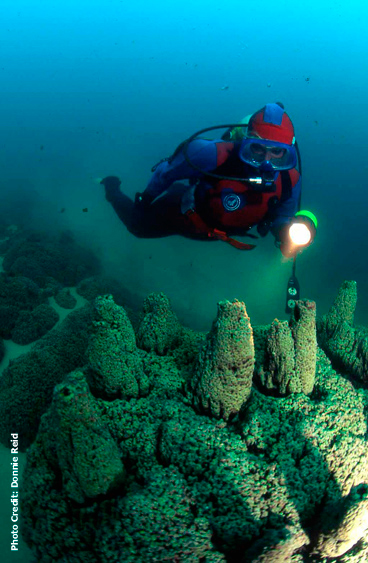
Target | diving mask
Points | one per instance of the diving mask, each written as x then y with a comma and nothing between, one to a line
256,152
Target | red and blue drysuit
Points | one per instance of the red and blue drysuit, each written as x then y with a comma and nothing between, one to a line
207,207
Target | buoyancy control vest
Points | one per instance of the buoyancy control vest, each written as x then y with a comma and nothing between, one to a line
236,206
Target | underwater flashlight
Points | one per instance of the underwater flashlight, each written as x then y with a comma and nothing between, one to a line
299,234
303,228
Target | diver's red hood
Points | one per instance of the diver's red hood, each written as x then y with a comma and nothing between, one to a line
272,125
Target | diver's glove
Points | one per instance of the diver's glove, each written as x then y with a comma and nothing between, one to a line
143,200
112,186
282,241
285,249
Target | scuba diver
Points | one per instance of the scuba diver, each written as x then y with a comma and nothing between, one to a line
250,177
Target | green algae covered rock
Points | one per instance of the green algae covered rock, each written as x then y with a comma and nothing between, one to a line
158,522
277,372
348,522
115,366
343,307
345,344
65,299
26,386
287,363
159,330
88,457
222,378
203,467
303,328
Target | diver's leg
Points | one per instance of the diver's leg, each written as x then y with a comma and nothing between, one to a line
162,218
124,207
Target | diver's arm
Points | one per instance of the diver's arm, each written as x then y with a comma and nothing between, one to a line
285,213
200,152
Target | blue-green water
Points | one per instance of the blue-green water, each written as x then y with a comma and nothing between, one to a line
96,88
